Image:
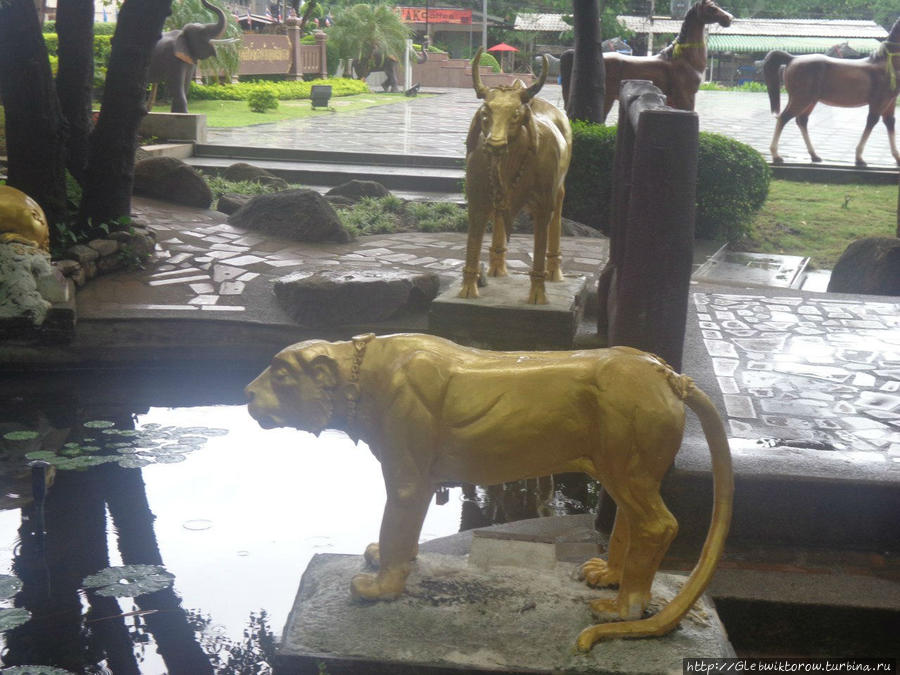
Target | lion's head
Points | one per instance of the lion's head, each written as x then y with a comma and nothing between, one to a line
297,389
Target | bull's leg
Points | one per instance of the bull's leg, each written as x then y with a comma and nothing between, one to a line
537,294
651,529
802,121
477,222
502,224
554,268
888,119
599,572
783,119
398,543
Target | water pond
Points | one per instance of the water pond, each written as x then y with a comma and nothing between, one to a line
169,532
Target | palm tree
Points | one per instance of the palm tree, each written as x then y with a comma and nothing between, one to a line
368,34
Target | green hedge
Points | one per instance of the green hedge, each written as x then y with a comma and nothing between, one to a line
285,91
732,182
102,48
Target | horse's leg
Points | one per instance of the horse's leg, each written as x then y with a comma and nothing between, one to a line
802,120
888,119
502,224
783,119
871,121
554,268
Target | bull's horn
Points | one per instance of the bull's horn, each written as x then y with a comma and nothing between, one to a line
480,90
532,91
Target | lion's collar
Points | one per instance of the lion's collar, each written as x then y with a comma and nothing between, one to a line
352,390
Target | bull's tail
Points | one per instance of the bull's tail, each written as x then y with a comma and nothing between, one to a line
771,71
723,492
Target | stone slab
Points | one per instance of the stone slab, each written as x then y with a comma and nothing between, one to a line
502,319
455,617
174,126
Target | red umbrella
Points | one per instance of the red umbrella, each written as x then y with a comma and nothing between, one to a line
502,47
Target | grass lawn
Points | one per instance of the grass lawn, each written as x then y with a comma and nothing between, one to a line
238,113
820,220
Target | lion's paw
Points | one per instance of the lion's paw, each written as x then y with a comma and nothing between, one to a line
373,559
596,572
370,587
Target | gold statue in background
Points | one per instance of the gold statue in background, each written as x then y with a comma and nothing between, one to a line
22,220
517,155
433,412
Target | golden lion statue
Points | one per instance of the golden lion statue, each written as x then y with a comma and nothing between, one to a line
432,411
22,220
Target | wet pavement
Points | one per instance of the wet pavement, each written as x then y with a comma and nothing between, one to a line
437,125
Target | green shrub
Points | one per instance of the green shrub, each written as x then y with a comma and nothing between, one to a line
102,48
284,90
589,181
392,214
732,182
489,60
220,186
732,185
262,99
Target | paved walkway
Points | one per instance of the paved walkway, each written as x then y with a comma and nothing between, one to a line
437,125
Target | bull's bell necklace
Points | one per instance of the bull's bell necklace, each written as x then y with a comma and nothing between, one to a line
351,391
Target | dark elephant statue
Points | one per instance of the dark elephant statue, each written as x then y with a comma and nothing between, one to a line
389,65
175,56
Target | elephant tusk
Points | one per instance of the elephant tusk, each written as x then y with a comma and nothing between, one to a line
224,41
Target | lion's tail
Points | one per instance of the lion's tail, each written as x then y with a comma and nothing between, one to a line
723,492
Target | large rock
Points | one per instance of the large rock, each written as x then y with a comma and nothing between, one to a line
241,171
302,215
171,180
231,202
35,299
333,298
869,266
356,190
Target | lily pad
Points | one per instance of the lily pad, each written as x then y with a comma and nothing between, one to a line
99,424
71,452
10,618
46,455
129,581
35,670
23,435
170,459
9,586
133,462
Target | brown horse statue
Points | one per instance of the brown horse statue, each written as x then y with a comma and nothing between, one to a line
678,69
848,83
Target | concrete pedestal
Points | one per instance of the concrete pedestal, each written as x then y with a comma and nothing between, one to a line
175,126
458,618
502,319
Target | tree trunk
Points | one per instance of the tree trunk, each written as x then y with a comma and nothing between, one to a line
75,77
110,169
585,100
35,131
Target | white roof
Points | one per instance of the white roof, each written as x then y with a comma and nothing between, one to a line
541,22
781,27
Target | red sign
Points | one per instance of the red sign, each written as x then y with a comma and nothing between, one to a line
434,15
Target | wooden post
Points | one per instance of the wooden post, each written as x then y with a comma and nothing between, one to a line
294,35
644,287
321,40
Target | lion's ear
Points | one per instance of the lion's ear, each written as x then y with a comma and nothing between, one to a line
324,371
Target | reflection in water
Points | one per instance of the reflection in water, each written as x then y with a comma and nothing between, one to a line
235,523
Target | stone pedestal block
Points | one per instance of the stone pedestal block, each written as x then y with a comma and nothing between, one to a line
174,126
458,618
501,319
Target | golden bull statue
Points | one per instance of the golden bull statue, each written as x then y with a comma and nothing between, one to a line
434,412
22,220
517,154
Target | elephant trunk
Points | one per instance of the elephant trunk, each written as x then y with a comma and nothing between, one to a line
423,56
217,29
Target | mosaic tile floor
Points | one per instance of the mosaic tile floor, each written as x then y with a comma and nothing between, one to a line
809,372
203,264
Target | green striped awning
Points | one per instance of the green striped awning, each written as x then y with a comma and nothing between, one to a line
760,44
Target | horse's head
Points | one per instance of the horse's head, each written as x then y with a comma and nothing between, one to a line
709,12
506,109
